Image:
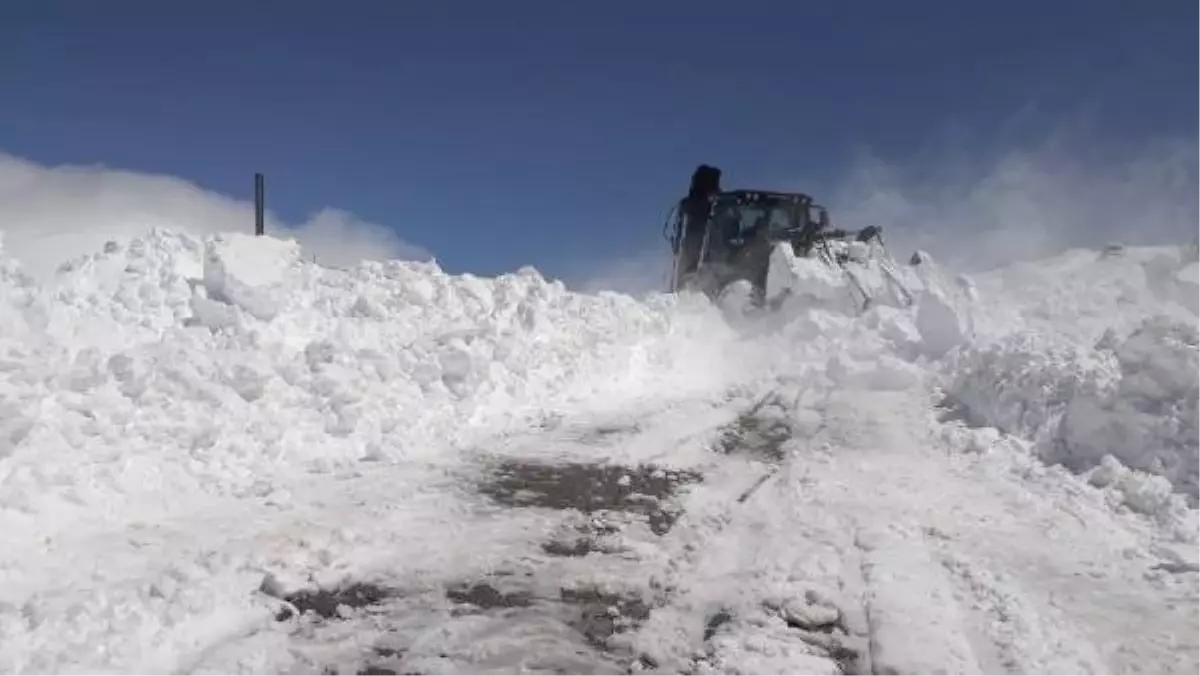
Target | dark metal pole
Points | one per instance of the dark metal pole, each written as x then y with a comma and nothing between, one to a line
260,199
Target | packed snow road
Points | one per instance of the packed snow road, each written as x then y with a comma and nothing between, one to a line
837,534
389,470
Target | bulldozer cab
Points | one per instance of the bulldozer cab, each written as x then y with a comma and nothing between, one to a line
723,236
743,214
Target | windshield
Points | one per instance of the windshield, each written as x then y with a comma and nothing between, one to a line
736,221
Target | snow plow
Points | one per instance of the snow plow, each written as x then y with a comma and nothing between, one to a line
771,246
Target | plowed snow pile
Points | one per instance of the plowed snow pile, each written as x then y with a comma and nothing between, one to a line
196,435
1093,358
170,362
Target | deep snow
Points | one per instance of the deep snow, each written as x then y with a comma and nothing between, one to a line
996,479
1093,355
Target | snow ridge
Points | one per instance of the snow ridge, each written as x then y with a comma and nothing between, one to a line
1115,378
170,364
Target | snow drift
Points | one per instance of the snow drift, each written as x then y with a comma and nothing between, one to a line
1092,356
170,364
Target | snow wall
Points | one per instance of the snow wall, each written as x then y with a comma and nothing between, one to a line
170,363
1092,356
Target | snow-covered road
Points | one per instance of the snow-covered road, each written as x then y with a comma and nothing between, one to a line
393,471
863,542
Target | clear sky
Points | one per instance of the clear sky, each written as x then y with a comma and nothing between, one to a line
497,134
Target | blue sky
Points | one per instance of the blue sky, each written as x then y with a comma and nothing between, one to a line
503,133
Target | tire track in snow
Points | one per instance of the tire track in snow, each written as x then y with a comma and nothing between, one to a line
990,541
534,601
914,619
853,545
1012,626
534,609
745,600
921,621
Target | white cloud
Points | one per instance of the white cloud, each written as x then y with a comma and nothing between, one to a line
50,215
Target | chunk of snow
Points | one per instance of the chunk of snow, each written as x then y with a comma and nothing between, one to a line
1147,417
807,281
1148,494
1022,383
252,273
1184,285
939,323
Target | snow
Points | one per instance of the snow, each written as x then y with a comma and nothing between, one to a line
995,478
902,593
1094,354
252,275
808,282
941,326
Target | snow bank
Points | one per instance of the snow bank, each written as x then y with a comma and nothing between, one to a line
1022,383
1147,493
251,274
169,365
1083,293
1187,281
1134,399
940,324
18,293
1091,355
1147,417
823,351
945,309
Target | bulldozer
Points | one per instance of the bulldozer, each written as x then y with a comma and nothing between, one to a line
722,239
